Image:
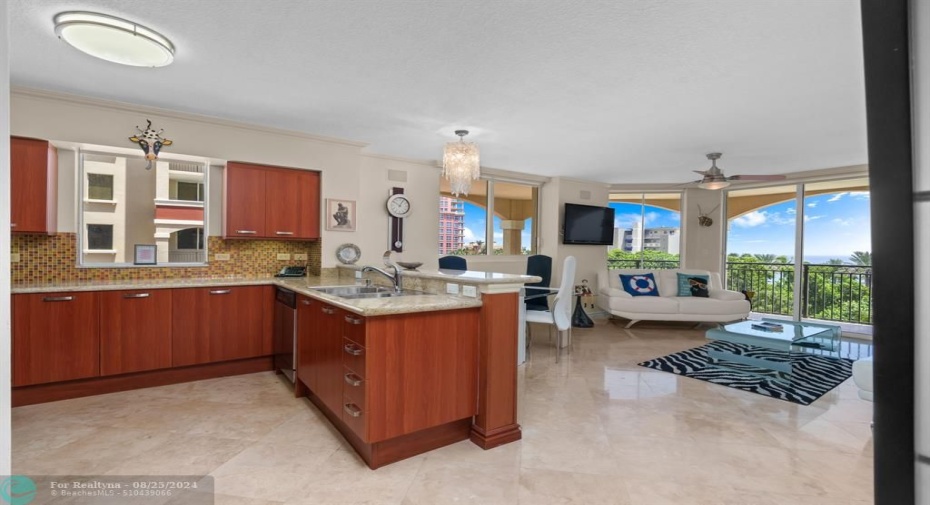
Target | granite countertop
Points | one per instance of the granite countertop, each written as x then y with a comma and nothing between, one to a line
469,276
302,285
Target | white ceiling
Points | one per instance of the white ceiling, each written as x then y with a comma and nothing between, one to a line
607,90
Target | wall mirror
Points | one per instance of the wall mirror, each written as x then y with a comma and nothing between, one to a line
123,205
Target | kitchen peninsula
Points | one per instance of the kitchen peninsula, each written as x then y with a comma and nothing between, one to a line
397,375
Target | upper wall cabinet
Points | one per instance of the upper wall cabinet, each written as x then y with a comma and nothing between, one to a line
33,186
271,202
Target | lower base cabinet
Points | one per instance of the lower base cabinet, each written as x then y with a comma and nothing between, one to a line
135,331
218,324
55,337
396,374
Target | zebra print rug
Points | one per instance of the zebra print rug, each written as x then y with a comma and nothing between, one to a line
813,375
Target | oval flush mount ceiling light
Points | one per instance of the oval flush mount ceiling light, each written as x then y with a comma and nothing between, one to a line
114,39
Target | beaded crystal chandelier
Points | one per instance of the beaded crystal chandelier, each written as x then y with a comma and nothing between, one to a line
460,164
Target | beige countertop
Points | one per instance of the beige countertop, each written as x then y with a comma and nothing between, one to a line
468,276
302,285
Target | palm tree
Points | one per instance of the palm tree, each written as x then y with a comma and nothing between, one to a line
834,261
764,258
861,258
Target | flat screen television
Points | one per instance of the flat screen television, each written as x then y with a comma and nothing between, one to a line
587,224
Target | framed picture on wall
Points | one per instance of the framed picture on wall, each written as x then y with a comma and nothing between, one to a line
340,214
146,254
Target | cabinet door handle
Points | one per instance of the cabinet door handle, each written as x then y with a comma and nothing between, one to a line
136,295
354,320
305,302
352,409
246,232
12,225
220,291
58,299
353,349
284,233
353,380
327,310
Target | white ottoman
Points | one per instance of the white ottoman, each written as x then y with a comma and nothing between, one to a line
862,376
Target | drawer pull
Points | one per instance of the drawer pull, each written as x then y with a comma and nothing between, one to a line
284,233
353,380
220,291
305,302
354,320
246,232
352,409
136,295
327,310
353,349
58,299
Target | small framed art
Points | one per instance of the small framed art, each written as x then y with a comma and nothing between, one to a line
340,214
146,254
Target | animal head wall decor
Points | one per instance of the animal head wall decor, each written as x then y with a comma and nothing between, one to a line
704,219
151,142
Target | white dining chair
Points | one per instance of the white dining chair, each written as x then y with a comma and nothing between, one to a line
560,315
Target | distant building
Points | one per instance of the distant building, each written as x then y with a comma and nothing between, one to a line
451,224
664,239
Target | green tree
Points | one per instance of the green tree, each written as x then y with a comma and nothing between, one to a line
861,258
765,258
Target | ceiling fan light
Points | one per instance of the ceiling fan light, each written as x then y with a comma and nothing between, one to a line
714,185
114,39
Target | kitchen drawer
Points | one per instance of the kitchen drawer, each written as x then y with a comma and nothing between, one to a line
353,389
354,328
353,357
355,418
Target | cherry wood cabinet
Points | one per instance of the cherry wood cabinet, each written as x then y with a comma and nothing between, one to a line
391,375
33,186
135,331
244,200
55,337
271,202
218,324
319,364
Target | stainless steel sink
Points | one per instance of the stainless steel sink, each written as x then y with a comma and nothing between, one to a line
354,291
362,292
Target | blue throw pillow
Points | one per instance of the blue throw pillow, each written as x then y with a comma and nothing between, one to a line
693,285
639,284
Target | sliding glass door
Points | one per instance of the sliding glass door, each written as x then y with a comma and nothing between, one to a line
802,251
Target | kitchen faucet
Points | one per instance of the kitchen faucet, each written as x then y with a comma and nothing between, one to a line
395,279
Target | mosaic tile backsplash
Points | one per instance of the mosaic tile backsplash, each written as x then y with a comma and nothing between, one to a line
47,259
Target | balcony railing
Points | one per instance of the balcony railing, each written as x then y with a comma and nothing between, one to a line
186,256
829,292
641,263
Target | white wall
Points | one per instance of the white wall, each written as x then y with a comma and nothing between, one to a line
87,121
421,227
5,447
702,247
590,259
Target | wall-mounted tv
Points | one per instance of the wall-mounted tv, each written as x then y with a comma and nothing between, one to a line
587,224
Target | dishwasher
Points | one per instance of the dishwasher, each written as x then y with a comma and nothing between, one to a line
285,326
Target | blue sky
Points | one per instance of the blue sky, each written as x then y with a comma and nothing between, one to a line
475,221
835,225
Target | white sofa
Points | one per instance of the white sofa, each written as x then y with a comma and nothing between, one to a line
721,306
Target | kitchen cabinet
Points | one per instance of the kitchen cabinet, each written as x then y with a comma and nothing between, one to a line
55,337
319,364
34,186
218,324
135,331
389,376
244,200
271,202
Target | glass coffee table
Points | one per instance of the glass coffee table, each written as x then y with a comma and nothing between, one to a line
769,350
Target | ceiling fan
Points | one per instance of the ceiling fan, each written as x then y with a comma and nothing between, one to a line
713,177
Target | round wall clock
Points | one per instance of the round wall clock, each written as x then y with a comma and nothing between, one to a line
398,205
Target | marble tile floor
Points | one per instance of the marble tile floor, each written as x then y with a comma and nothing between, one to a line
597,429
